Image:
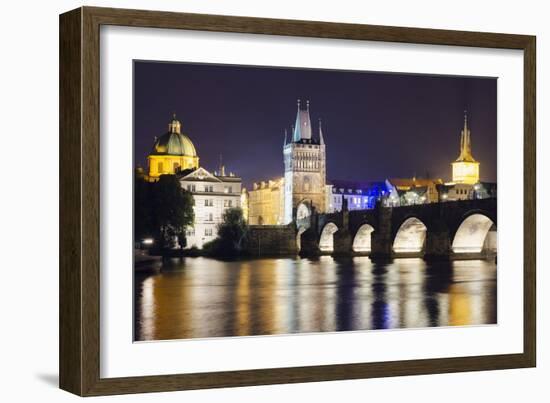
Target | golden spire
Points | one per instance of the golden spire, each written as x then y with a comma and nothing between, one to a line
465,143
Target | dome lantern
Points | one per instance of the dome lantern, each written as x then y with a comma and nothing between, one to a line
175,125
172,152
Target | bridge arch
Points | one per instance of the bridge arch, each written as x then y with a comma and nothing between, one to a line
303,222
303,211
326,240
362,239
410,237
476,233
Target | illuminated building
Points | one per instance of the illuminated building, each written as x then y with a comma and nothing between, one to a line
456,191
172,152
465,168
213,193
464,191
305,166
358,195
244,204
405,191
266,203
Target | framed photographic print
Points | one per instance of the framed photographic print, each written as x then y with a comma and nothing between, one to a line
250,201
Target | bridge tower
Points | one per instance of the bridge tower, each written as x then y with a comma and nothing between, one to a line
305,166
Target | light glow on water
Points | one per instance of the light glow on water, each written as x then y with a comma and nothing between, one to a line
201,297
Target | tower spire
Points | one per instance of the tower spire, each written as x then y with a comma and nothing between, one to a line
302,129
465,142
222,167
286,134
321,137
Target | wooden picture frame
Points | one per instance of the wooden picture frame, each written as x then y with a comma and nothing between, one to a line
80,200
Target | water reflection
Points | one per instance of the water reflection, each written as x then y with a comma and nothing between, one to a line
200,297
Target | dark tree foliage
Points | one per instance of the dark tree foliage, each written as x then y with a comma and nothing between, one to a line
162,210
143,214
232,232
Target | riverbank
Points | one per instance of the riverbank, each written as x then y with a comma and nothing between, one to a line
145,262
158,255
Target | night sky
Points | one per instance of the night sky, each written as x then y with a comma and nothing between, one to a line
376,125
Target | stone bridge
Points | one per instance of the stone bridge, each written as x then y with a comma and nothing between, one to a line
456,229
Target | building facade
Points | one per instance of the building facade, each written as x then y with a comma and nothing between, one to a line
172,152
465,191
304,166
465,168
213,194
356,195
266,203
410,191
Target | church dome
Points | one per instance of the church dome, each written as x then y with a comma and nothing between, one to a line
174,142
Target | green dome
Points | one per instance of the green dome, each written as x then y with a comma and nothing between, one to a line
174,144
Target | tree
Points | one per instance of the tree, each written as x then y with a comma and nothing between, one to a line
172,209
143,214
233,227
162,210
232,232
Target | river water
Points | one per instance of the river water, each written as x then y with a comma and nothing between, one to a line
202,297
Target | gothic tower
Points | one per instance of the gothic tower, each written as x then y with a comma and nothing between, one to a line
305,166
465,168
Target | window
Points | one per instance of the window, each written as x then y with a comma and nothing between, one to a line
191,188
228,189
228,203
209,217
208,202
208,232
209,188
190,232
307,184
176,167
160,167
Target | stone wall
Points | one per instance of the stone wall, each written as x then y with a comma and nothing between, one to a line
271,240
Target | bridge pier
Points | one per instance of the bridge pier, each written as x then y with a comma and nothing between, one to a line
342,242
309,243
381,238
438,245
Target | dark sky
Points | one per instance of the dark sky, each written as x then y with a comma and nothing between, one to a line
375,125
